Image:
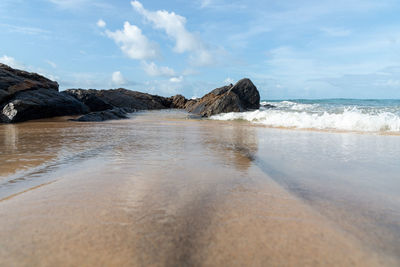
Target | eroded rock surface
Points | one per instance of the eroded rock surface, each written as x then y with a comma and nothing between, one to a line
178,101
14,80
26,96
123,98
38,104
89,98
232,98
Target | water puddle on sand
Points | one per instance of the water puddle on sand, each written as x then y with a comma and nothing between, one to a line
163,190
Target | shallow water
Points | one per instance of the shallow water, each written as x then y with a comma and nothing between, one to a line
161,189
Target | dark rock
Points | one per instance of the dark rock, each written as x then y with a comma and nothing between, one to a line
40,103
221,90
4,95
13,80
111,114
237,98
190,103
268,106
210,104
89,98
247,93
124,98
229,102
26,96
178,101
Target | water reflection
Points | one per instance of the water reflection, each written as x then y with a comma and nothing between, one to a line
163,188
234,144
32,152
10,137
353,175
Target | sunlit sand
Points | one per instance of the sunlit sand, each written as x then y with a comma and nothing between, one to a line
161,189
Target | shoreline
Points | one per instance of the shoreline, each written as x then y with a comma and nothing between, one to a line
185,191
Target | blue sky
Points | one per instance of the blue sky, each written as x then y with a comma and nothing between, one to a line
290,49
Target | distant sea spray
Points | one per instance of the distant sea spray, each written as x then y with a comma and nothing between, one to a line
371,115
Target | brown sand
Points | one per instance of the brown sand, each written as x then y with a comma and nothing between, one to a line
160,191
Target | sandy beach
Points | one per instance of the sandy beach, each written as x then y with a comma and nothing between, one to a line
162,189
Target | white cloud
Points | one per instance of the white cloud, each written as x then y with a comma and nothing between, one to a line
83,80
205,3
335,32
332,71
24,29
10,61
202,57
190,71
79,4
229,80
153,70
117,78
242,38
69,3
304,12
176,79
101,23
388,83
174,26
51,63
222,5
162,87
133,43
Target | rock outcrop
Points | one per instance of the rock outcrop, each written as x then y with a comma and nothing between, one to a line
38,104
3,95
99,100
232,98
89,98
123,98
13,80
177,101
27,96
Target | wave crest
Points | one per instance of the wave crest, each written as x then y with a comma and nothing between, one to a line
350,119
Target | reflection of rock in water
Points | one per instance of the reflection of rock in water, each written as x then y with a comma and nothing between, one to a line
10,137
236,143
32,144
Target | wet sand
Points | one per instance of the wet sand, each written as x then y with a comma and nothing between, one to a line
163,190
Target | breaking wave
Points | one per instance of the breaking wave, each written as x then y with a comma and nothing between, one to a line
324,115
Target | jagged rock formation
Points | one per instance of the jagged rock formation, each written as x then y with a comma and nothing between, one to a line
121,98
89,98
13,80
26,96
232,98
38,104
177,101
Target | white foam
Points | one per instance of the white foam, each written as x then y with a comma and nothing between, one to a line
289,105
348,120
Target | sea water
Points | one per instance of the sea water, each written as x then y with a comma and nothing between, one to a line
164,188
369,115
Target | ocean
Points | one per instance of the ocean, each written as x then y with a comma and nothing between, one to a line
358,115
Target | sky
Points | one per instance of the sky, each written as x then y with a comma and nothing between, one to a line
290,49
